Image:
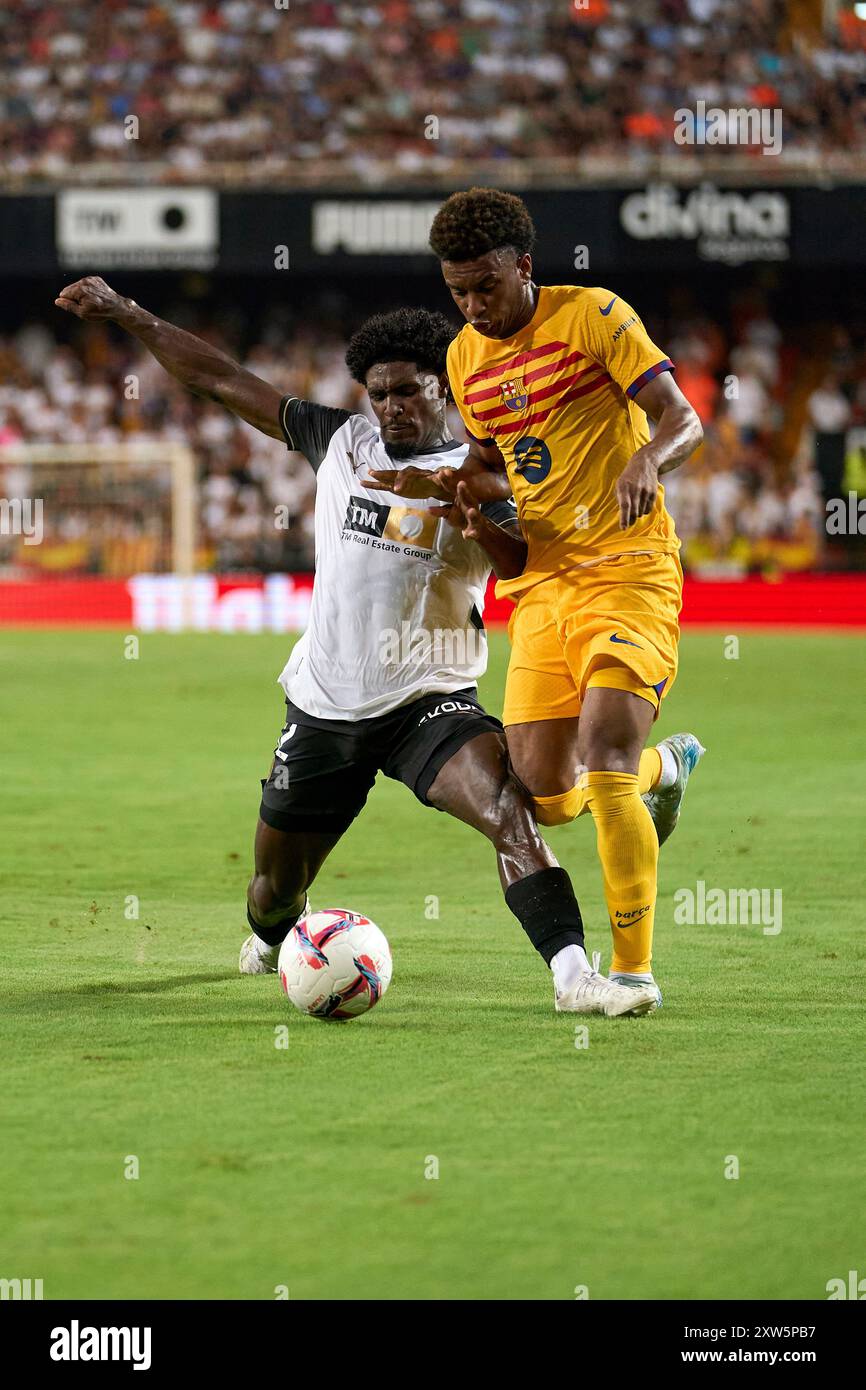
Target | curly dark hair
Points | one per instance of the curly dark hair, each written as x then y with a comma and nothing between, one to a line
470,224
405,335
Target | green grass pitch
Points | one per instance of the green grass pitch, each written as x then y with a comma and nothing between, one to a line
264,1168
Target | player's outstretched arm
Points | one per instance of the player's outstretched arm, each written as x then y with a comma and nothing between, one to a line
202,369
678,433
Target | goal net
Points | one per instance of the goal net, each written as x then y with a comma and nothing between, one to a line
107,511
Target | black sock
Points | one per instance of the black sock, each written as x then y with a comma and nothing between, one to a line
545,905
273,936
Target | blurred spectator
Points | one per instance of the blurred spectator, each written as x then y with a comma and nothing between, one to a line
738,504
237,91
830,415
748,404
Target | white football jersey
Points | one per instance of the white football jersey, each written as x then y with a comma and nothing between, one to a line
398,594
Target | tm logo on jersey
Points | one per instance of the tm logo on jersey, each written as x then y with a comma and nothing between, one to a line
408,525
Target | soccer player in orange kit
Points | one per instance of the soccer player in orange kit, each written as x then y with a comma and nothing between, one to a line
554,384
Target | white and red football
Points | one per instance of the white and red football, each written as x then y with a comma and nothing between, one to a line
335,964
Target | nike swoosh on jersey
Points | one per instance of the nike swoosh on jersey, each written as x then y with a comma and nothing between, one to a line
604,312
624,642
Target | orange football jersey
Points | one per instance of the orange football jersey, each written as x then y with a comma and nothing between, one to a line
557,398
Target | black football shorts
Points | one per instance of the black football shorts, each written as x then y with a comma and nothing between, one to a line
324,768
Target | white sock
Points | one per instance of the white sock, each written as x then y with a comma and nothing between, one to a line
567,965
670,768
645,977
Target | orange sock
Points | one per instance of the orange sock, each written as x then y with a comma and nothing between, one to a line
649,770
567,806
628,849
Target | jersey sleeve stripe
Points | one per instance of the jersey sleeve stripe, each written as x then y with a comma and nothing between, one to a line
284,407
666,365
513,362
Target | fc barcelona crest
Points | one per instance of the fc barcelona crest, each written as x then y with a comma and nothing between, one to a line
514,393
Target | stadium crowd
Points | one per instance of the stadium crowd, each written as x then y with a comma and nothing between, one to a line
776,423
239,91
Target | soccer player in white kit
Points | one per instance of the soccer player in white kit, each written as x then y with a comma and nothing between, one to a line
384,677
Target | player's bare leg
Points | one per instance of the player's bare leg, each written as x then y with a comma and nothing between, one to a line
286,863
545,755
614,726
477,786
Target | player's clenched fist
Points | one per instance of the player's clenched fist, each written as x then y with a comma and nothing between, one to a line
636,489
464,514
90,298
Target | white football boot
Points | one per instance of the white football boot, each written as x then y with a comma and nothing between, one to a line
257,957
664,804
639,982
593,993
